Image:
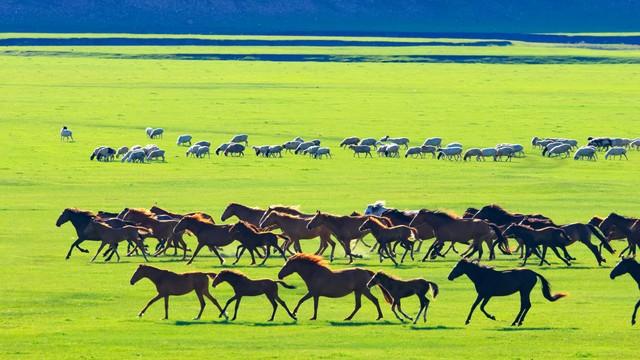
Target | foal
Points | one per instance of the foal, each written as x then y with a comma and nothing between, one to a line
207,233
386,235
113,236
546,237
243,286
251,239
631,267
399,289
489,283
169,283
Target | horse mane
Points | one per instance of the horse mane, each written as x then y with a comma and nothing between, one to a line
234,273
142,211
376,221
310,259
199,218
388,276
478,265
283,214
498,209
244,206
445,215
82,212
275,207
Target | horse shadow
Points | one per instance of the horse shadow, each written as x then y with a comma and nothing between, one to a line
435,327
234,323
533,328
364,323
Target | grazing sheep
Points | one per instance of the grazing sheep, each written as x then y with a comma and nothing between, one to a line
543,143
635,143
121,151
66,134
103,153
616,151
261,150
563,149
398,141
487,152
369,142
234,149
298,139
454,144
156,133
353,140
572,142
134,156
600,143
193,150
392,150
316,142
434,141
588,152
429,149
241,138
311,150
620,142
361,149
382,150
149,148
203,143
95,152
550,146
148,130
275,150
303,146
517,148
472,152
136,147
451,153
291,145
222,148
156,154
414,152
323,151
504,151
534,141
184,139
202,151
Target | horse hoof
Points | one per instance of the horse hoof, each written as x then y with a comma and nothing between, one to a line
467,322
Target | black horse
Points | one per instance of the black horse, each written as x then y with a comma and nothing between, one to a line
80,219
490,282
631,267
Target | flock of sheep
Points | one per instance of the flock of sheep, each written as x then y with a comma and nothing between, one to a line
387,146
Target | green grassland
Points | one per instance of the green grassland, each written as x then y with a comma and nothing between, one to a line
52,308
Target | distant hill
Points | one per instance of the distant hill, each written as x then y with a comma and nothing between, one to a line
319,16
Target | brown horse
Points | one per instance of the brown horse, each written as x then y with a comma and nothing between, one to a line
207,233
631,267
162,229
387,235
251,239
322,281
579,232
630,227
399,289
404,217
344,228
113,236
295,227
548,237
159,211
169,283
251,215
450,228
489,283
243,286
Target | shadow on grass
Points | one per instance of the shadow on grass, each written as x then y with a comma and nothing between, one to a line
232,323
540,328
364,323
437,327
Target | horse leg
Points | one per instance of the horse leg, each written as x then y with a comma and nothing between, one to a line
226,305
195,253
102,245
154,299
484,303
75,244
473,308
525,305
202,304
431,248
402,312
315,307
555,251
391,255
566,253
544,255
274,304
166,307
239,255
367,293
635,312
284,305
422,307
358,296
215,302
306,297
393,309
235,310
284,256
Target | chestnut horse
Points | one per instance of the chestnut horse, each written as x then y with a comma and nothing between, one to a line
169,283
112,236
489,283
207,233
630,227
162,229
322,281
399,289
243,286
404,217
295,227
251,239
548,237
450,228
386,235
631,267
251,215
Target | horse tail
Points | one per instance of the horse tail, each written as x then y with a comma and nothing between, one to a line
387,295
212,275
595,231
546,289
414,233
143,231
434,288
285,285
502,241
565,236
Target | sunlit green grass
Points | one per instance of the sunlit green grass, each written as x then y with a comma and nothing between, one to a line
52,308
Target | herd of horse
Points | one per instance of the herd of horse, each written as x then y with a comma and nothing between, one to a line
255,231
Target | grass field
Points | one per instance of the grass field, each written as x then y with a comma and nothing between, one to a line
52,308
